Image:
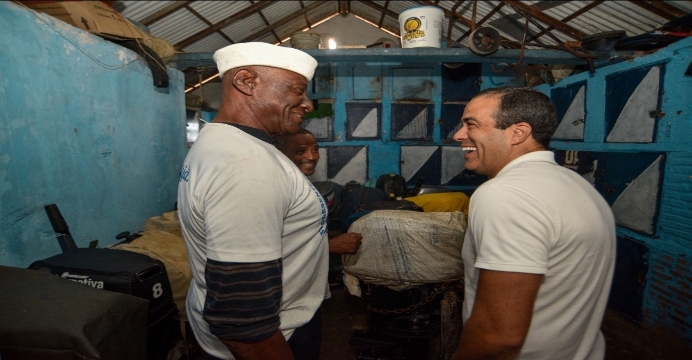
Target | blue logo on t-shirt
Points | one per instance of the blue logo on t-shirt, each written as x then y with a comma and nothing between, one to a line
185,174
323,206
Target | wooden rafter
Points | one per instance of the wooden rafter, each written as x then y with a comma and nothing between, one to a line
451,22
386,5
175,6
266,22
661,9
565,20
305,15
286,19
239,15
483,20
546,19
383,10
199,16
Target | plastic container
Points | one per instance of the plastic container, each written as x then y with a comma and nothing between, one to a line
305,40
421,26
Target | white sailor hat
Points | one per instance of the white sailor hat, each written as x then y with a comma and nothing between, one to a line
264,54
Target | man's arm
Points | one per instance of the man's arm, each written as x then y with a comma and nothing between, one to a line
347,243
242,308
274,347
501,315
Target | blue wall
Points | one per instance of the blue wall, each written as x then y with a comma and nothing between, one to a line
81,126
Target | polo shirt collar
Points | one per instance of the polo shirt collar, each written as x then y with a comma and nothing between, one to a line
535,156
254,132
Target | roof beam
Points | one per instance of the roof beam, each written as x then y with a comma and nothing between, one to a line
483,20
199,16
386,5
451,21
379,7
572,16
288,18
175,6
237,16
661,9
305,15
266,22
547,19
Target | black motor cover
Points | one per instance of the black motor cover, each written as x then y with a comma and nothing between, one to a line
116,270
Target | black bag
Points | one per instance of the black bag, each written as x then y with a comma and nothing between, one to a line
356,197
392,184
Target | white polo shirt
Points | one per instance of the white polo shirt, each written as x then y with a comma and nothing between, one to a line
538,217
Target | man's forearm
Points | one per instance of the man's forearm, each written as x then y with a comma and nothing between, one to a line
274,347
475,345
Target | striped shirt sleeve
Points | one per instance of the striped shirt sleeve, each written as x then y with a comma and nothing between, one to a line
243,299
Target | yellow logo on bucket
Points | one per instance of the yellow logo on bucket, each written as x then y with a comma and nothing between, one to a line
411,26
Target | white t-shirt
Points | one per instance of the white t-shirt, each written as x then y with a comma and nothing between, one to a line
540,218
241,200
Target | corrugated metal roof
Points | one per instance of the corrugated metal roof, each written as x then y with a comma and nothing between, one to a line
177,26
175,22
213,41
138,10
217,11
279,9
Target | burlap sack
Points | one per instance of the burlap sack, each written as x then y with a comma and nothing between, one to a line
403,249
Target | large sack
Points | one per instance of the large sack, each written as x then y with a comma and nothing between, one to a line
167,222
170,250
403,249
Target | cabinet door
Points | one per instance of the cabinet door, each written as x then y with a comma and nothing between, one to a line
632,187
632,105
363,121
629,278
367,81
570,104
322,84
412,83
346,163
420,162
412,121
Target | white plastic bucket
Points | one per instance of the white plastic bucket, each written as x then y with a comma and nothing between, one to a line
421,26
306,40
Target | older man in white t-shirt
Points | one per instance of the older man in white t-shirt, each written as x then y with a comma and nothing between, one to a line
255,228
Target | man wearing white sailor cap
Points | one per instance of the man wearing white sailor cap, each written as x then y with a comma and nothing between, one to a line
254,226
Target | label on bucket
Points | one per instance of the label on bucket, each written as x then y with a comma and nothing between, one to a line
421,27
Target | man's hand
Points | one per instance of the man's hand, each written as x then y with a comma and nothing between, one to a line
347,243
274,347
500,317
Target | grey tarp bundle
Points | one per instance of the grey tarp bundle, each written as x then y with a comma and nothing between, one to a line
403,249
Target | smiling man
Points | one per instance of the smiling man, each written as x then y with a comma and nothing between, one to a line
254,226
540,245
302,149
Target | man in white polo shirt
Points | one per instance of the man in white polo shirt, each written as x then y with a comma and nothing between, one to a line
254,227
540,245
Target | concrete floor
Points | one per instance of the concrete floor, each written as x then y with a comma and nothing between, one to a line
625,340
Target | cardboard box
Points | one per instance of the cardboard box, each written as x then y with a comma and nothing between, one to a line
93,16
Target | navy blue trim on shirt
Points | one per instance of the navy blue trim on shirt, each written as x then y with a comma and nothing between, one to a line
255,132
243,299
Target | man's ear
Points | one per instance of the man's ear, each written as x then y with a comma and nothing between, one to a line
244,80
521,132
